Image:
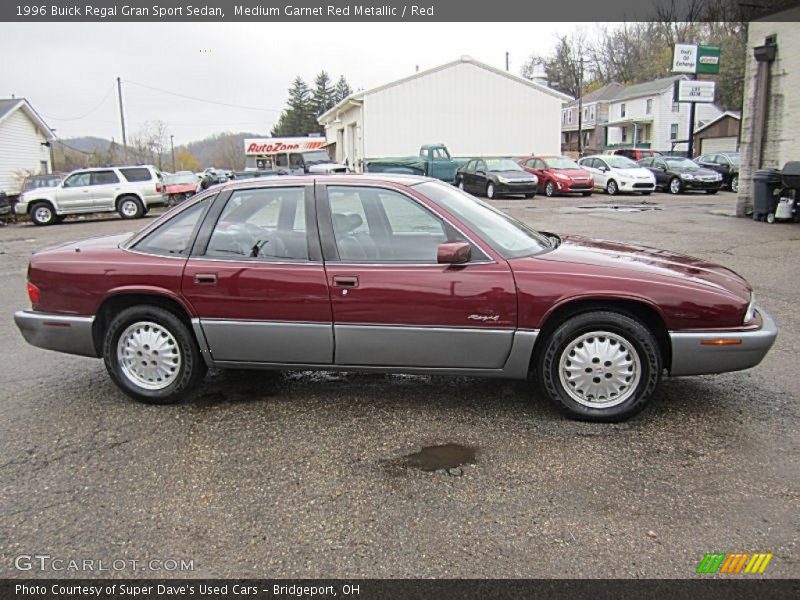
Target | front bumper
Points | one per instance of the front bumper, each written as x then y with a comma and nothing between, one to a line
636,185
691,357
516,188
21,208
695,184
69,334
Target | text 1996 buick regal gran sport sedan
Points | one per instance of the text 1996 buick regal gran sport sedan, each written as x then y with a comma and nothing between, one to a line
390,273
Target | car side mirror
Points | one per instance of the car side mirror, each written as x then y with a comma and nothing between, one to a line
453,253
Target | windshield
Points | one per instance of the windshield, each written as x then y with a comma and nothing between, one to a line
502,164
561,162
180,178
316,157
680,163
509,237
620,162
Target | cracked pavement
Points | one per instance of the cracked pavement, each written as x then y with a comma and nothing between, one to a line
296,474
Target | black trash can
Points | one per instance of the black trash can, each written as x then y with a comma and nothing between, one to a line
765,182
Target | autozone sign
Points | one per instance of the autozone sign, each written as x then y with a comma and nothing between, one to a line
253,146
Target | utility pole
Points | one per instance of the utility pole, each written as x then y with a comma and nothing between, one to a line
172,148
580,108
506,61
122,121
690,144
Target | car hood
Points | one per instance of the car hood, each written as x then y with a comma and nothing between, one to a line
573,173
694,171
646,261
513,174
633,173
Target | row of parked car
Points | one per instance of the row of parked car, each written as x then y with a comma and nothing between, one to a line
611,173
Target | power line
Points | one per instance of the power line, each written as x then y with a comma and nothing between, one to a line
155,89
108,93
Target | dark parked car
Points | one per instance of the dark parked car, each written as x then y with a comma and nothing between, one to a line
559,175
724,163
494,177
387,274
677,175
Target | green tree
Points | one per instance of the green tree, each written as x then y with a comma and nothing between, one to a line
342,90
297,117
324,95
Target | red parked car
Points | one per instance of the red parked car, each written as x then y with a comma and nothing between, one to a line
559,175
401,274
179,186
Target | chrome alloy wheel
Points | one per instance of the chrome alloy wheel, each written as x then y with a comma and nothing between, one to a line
675,186
43,214
149,355
600,369
129,208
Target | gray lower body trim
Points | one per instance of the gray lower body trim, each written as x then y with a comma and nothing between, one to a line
500,373
690,357
267,341
425,347
72,335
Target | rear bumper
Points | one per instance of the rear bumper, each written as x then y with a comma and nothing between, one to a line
69,334
691,357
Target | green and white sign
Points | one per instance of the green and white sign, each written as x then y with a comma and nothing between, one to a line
708,60
693,58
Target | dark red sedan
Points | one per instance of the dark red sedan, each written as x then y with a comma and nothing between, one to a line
559,175
400,273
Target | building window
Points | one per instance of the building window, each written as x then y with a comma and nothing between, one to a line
673,131
43,168
676,107
624,134
569,116
649,106
622,110
585,113
591,113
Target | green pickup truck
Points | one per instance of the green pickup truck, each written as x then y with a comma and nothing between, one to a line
434,160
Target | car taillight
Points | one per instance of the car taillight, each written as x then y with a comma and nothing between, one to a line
33,293
159,188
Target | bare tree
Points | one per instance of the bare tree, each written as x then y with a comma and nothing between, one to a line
149,144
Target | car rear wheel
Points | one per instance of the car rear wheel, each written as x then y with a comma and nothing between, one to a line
735,183
461,185
490,191
549,189
151,355
130,207
611,188
675,186
600,366
42,214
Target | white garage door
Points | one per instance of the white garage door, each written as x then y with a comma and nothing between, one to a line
720,144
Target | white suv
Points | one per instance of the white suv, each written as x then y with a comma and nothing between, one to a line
130,191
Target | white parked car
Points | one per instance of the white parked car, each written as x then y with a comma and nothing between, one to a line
128,190
616,174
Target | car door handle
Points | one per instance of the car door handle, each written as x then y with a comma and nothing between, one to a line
205,278
348,281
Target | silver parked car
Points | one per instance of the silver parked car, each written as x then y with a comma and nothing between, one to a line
128,190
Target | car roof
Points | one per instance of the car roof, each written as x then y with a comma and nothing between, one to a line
86,169
305,179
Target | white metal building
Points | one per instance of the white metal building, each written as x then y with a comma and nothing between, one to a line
473,108
23,144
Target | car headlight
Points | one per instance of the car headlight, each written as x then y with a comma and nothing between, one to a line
718,177
750,313
503,180
687,176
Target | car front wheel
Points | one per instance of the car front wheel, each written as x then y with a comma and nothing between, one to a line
600,366
42,214
675,186
490,191
151,355
549,189
735,184
611,188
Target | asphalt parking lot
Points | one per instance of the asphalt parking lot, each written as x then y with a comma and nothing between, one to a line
303,475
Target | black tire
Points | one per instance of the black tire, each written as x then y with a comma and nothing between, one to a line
675,186
130,207
770,218
460,184
586,194
154,321
42,214
735,184
711,192
642,352
550,189
490,191
612,188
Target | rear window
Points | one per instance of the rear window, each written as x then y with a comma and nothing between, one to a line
137,174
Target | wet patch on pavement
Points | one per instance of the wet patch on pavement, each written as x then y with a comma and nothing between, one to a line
447,458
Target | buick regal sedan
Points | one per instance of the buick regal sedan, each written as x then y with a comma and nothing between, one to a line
390,274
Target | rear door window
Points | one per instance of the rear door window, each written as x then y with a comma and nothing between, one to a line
134,174
104,178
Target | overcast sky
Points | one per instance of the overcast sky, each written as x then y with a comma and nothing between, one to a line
68,71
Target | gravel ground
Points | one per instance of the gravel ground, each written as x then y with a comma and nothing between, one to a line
309,474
